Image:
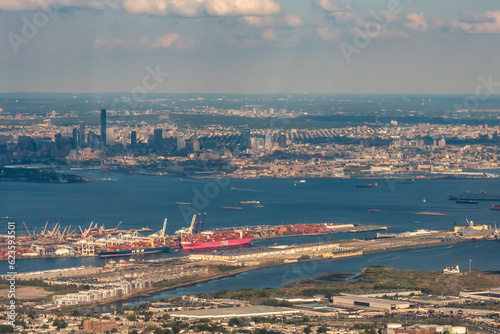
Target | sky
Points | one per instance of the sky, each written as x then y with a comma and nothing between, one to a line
250,46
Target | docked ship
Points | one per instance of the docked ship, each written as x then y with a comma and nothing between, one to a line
367,185
495,207
130,252
482,196
193,237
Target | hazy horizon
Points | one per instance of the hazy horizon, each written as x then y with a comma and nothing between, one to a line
250,46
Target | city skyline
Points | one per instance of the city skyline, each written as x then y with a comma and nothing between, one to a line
258,46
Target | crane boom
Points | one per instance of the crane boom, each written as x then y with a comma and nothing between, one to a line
27,230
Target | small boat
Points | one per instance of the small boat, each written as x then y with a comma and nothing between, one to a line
302,181
424,200
466,201
374,210
232,208
182,203
495,207
367,185
249,202
259,206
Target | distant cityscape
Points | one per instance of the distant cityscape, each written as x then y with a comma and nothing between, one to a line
284,145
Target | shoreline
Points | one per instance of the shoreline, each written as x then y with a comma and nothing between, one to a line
152,291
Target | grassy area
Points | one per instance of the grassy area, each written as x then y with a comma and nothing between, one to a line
374,278
432,282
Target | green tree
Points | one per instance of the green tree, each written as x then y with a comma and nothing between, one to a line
307,330
59,324
6,329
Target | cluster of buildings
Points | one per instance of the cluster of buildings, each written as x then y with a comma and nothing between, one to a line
245,152
111,291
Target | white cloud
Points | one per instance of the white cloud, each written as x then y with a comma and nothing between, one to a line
486,23
196,8
269,35
331,6
329,34
417,22
163,41
184,8
242,7
258,21
292,20
54,5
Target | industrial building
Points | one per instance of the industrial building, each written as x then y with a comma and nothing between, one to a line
356,301
491,294
231,312
251,254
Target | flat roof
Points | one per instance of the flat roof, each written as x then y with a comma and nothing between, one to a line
371,300
230,312
263,249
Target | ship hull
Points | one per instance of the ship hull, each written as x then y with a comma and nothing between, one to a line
475,197
131,252
215,244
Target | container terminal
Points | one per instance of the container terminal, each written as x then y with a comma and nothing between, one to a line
58,241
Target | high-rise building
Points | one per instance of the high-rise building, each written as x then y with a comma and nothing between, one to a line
110,136
58,140
282,140
103,128
245,139
181,142
268,140
91,138
133,139
158,138
82,134
75,140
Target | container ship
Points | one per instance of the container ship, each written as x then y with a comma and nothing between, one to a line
482,196
194,238
130,252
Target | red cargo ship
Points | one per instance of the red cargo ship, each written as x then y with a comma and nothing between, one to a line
194,237
495,207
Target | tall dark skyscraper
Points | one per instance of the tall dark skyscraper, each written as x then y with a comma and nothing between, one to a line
82,134
245,139
158,138
133,139
103,128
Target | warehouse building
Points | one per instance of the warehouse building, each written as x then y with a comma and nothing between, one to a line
232,312
294,251
356,301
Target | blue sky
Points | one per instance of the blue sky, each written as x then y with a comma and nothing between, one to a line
249,46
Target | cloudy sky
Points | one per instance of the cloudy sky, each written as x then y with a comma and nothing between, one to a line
249,46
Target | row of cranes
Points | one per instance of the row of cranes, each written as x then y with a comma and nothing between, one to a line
111,239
